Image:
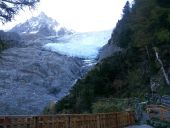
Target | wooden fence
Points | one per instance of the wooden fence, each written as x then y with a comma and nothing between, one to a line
159,111
109,120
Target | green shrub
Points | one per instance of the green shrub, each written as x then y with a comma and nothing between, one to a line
105,107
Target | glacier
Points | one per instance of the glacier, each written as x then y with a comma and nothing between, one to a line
82,45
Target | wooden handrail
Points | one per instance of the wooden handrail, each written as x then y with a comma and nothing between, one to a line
104,120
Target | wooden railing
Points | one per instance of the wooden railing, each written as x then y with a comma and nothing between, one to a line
109,120
159,111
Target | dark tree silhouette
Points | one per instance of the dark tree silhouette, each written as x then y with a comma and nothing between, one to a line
126,9
9,8
164,3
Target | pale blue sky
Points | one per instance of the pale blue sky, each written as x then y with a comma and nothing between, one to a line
79,15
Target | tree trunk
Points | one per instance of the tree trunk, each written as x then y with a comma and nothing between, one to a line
162,66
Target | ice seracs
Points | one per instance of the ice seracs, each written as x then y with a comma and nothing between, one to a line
81,45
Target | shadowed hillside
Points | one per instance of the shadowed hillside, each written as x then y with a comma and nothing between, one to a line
141,67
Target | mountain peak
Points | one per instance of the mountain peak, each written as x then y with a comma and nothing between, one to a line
41,25
42,14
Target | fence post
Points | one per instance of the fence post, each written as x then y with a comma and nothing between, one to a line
98,121
161,113
133,119
117,123
69,122
7,122
35,121
129,118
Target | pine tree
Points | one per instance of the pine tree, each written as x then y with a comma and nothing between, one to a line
126,9
9,8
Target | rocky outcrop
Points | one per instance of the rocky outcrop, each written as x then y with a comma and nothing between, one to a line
108,50
31,77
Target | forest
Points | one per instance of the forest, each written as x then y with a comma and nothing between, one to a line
142,66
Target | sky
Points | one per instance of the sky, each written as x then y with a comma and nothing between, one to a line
79,15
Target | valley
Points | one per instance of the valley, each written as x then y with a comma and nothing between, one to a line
41,70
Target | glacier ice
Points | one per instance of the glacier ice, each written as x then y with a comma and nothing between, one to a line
81,45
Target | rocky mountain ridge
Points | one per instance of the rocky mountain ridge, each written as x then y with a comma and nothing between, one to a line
41,25
32,76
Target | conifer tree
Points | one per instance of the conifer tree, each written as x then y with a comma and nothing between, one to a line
9,8
126,9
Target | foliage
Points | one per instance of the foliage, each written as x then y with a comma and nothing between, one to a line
113,105
105,107
126,9
127,73
8,8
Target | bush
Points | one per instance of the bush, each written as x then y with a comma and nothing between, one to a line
104,107
113,105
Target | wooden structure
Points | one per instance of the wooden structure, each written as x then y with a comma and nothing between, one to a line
159,111
165,100
108,120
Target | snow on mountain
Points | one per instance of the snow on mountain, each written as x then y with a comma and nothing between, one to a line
81,45
41,25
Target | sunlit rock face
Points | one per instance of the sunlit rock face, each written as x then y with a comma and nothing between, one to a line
30,78
42,25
